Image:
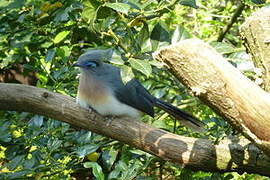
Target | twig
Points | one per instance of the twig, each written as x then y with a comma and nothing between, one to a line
236,14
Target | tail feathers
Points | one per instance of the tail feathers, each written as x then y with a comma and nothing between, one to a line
185,118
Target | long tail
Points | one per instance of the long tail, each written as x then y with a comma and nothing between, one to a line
185,118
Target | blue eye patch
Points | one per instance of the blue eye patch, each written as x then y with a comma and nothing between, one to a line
91,64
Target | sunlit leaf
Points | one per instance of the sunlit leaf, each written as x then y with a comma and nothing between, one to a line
60,36
126,73
90,10
119,7
138,21
46,44
147,3
93,156
97,170
222,47
42,77
83,151
143,34
141,65
116,59
134,4
180,33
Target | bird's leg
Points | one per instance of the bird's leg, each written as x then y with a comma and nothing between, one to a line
109,119
90,109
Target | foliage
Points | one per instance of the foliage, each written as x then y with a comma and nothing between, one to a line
45,38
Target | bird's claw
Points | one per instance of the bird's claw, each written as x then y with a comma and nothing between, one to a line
109,120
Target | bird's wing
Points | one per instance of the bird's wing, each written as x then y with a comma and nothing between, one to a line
136,96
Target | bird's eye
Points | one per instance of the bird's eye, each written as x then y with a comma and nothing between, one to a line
91,64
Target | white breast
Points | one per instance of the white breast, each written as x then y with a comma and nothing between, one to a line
111,107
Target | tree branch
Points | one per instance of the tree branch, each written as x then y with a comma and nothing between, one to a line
198,154
256,33
220,85
236,14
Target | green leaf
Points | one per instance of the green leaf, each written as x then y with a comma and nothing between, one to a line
5,135
86,149
160,123
119,7
82,137
146,46
190,3
46,44
54,144
258,1
61,15
147,4
126,73
159,34
36,121
4,4
239,56
180,33
21,174
15,162
29,163
63,52
60,36
141,65
107,22
222,47
97,170
156,63
50,55
116,59
143,35
89,13
134,4
16,4
109,157
104,12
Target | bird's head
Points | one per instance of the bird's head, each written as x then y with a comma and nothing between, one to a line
93,59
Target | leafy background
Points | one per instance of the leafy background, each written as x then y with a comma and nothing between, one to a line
40,40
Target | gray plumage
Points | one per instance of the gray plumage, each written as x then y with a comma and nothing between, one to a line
102,88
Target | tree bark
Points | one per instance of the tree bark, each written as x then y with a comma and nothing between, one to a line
238,155
256,34
220,85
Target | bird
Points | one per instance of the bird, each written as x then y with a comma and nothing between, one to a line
101,88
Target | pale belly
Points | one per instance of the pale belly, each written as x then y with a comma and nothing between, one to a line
110,106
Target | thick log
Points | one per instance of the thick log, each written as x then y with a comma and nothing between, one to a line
256,34
220,85
198,154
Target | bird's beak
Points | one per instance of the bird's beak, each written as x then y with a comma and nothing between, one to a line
77,65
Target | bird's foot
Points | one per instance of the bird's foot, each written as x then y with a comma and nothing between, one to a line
109,119
90,110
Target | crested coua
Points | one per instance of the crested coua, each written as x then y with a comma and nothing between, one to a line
101,88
